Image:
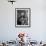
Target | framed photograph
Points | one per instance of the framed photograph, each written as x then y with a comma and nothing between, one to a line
22,17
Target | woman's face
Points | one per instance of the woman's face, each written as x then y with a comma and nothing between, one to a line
22,14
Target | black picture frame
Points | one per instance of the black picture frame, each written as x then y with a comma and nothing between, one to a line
22,17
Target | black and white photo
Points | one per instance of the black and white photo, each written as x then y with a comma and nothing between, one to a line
22,17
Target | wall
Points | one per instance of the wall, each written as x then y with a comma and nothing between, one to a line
8,31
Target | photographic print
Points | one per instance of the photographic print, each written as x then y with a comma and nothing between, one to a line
22,17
